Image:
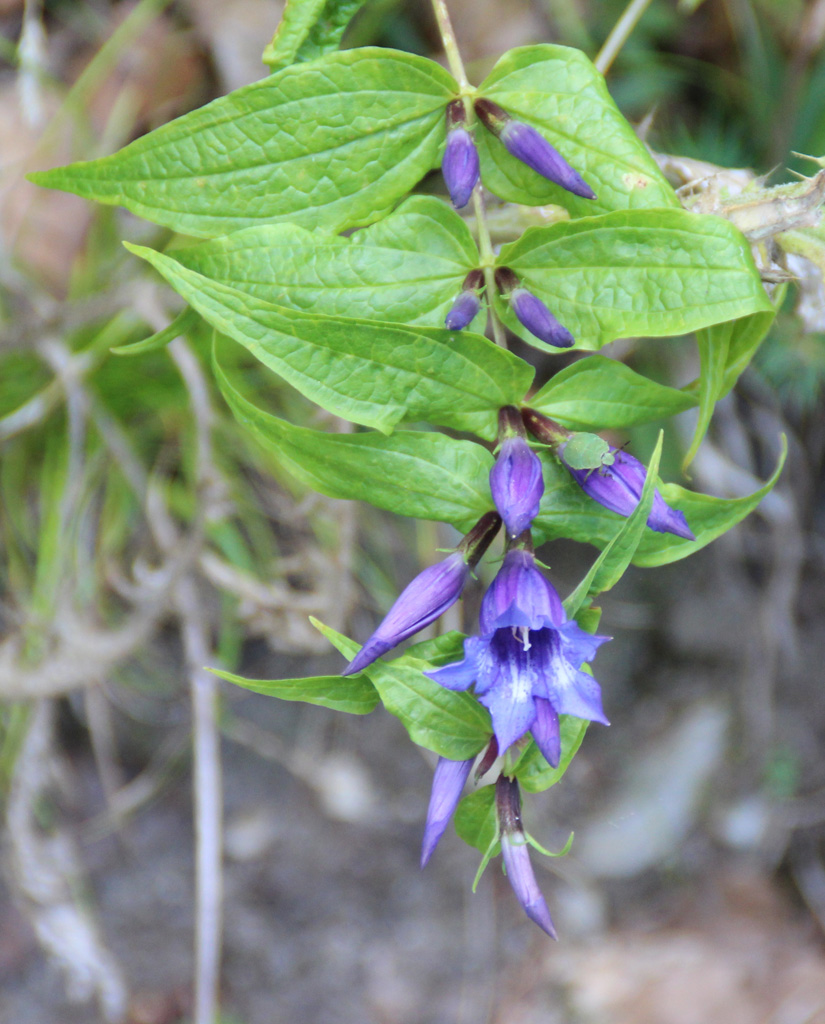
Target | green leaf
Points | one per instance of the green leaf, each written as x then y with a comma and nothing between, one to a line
534,773
724,352
373,374
475,819
639,273
604,394
296,22
180,325
333,143
413,473
558,91
440,650
353,694
566,511
309,29
707,516
408,268
452,724
611,564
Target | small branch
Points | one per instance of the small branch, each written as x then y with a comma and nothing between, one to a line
208,803
486,249
208,797
620,34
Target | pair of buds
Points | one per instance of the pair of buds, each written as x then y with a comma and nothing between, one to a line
530,311
460,165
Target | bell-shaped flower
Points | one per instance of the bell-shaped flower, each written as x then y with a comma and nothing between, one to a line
516,479
460,163
527,145
618,487
528,652
448,784
429,595
515,852
531,312
467,303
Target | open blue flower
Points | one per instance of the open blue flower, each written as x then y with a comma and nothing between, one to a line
526,664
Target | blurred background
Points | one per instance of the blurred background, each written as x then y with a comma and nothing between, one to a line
142,535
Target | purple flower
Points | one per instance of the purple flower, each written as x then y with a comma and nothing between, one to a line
537,318
467,303
448,783
430,594
527,145
619,488
517,857
463,311
528,656
517,484
460,163
531,311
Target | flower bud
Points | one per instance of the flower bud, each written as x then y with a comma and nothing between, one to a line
448,784
516,856
421,602
532,312
545,730
516,480
543,428
467,304
429,595
460,163
527,145
618,487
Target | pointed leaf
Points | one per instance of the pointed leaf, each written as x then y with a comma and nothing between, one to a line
408,268
309,29
413,473
598,393
638,273
370,373
475,818
558,91
724,351
332,143
353,694
160,339
452,724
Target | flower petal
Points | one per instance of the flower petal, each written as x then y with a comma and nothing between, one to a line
460,675
545,730
577,693
509,693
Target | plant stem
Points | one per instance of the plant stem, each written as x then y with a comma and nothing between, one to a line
620,33
486,249
448,41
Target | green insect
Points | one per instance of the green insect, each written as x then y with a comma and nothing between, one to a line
587,451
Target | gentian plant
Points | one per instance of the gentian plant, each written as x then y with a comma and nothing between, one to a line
373,303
